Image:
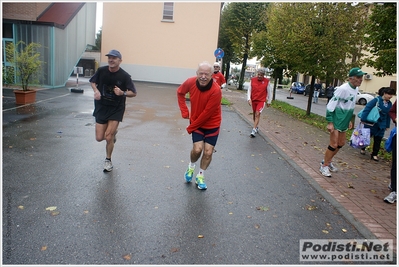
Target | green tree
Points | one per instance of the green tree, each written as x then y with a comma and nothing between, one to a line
243,20
381,38
316,39
98,39
225,43
25,59
263,49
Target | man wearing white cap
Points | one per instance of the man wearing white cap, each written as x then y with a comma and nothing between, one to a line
218,76
111,85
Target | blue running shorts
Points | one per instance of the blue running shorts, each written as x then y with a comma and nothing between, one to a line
209,136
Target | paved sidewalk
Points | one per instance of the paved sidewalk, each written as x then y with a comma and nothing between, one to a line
360,185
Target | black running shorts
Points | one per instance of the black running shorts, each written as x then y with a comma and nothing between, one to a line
104,113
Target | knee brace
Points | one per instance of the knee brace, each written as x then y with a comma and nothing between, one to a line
339,146
331,148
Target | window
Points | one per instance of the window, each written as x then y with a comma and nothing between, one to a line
167,11
7,30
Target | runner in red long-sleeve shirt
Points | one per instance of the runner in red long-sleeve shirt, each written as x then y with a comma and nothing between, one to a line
205,118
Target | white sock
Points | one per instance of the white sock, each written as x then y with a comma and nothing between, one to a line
201,172
192,165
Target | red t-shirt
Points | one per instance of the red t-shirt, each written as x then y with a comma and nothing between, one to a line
259,89
206,110
218,78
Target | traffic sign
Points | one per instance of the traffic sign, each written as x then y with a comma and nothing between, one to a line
219,53
78,70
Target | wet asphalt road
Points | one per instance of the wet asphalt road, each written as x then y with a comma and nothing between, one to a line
257,207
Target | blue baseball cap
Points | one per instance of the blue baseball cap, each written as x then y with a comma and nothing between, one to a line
114,53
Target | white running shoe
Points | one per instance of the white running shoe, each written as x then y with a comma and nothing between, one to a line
325,170
331,167
391,198
108,165
253,133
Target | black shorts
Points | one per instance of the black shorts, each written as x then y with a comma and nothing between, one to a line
104,113
209,136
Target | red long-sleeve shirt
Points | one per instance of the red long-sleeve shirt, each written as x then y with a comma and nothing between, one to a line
206,110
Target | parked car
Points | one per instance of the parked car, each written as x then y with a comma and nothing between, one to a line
321,94
297,87
363,98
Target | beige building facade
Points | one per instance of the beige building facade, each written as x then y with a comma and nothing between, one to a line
161,41
371,83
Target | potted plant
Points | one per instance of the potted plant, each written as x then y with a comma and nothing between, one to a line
25,60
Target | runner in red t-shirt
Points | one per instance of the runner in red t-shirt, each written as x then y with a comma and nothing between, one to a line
218,76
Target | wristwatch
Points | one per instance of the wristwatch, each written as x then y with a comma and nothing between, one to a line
124,93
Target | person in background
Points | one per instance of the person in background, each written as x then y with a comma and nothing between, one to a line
391,198
111,85
377,130
329,92
259,91
317,89
218,76
205,118
339,115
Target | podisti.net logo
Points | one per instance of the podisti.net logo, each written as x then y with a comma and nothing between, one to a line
333,250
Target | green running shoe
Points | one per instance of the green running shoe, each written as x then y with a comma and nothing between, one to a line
189,174
199,181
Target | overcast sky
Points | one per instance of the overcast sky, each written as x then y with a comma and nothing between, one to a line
99,16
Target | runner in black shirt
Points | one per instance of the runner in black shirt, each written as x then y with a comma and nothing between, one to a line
111,85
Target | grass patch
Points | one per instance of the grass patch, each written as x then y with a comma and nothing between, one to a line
225,101
300,114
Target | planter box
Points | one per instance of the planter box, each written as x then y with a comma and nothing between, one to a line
24,97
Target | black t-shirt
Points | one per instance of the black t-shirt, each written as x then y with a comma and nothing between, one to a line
106,82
